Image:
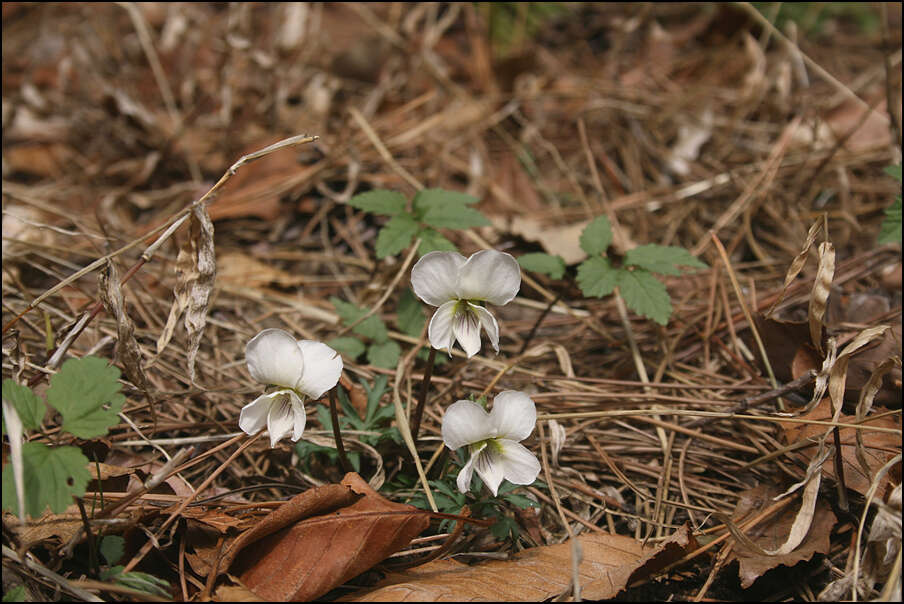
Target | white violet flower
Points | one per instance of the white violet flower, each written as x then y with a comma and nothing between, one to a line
304,369
457,285
493,439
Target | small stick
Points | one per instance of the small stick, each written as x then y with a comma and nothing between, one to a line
533,330
422,401
337,434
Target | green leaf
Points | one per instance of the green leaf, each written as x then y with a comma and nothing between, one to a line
645,294
454,216
663,259
86,393
890,231
597,236
384,354
143,582
396,235
432,198
432,241
538,262
379,201
371,327
410,314
894,172
112,547
16,594
347,346
29,407
596,277
52,477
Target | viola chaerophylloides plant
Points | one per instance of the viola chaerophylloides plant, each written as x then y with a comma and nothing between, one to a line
598,276
86,393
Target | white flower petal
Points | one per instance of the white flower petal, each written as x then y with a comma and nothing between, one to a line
300,419
464,423
464,477
434,276
466,327
514,415
488,322
489,275
253,416
440,331
273,357
490,466
281,419
322,368
519,465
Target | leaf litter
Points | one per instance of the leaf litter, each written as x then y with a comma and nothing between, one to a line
550,134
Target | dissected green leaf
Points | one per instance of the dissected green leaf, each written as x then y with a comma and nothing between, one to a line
454,216
87,394
433,241
29,407
645,294
52,477
347,346
597,277
396,235
371,327
663,259
112,547
431,198
554,266
890,231
379,201
410,314
597,236
384,354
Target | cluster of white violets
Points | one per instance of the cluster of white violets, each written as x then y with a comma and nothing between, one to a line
305,370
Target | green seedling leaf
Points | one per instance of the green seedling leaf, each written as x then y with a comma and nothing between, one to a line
379,201
52,477
432,241
29,407
384,354
347,346
371,327
112,547
520,501
142,582
538,262
410,314
645,294
662,259
597,277
87,394
396,235
596,236
431,198
454,216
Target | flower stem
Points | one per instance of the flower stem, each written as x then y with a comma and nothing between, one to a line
425,386
337,435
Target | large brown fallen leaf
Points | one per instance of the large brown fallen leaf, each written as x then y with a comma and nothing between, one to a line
331,534
610,563
772,532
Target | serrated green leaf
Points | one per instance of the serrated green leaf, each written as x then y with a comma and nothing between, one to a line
596,236
431,198
597,277
890,231
30,408
384,354
52,477
433,241
87,394
396,235
410,314
379,201
454,216
112,547
347,346
645,294
554,266
662,259
371,327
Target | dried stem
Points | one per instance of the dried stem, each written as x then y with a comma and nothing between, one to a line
337,433
422,401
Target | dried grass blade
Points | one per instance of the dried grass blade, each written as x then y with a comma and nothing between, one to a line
798,263
819,295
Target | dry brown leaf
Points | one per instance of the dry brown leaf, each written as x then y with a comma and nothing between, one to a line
563,241
127,352
609,564
241,269
788,347
771,533
346,529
